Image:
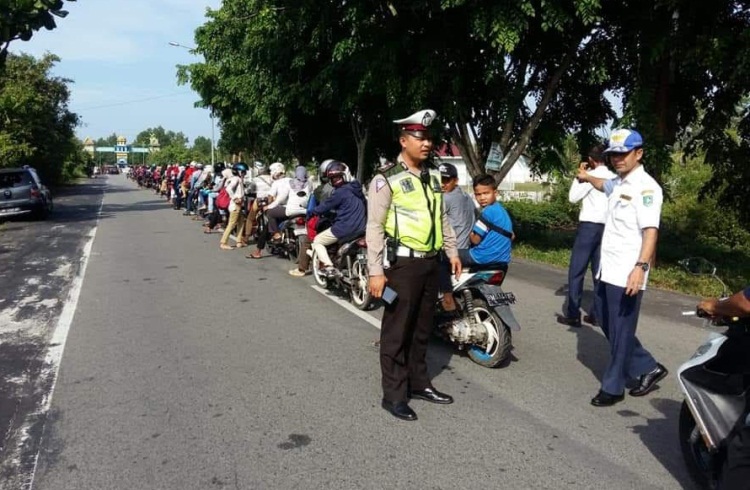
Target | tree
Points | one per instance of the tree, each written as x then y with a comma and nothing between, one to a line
37,126
20,19
201,149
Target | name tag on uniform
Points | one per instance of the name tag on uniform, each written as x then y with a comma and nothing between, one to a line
625,197
406,185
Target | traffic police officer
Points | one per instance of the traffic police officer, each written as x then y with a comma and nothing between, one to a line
406,227
627,252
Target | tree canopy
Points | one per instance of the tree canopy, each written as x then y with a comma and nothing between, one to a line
36,128
21,18
303,79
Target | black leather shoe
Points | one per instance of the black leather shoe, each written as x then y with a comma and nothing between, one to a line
571,322
432,395
590,320
400,410
604,399
647,382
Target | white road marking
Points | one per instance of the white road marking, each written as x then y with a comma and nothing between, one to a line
60,336
348,306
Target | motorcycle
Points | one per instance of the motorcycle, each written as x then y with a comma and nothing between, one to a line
350,275
291,230
715,384
486,320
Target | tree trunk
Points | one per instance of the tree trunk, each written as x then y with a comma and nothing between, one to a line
525,137
361,132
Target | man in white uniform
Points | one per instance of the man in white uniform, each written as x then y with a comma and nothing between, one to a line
627,252
588,237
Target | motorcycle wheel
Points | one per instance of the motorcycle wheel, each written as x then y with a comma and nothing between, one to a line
291,244
359,291
704,467
320,279
499,352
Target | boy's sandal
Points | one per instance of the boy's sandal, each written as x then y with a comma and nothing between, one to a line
241,245
225,247
254,255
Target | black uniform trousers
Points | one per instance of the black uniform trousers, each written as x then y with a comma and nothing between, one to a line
406,326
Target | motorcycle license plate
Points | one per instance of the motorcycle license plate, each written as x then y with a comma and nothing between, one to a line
495,299
300,231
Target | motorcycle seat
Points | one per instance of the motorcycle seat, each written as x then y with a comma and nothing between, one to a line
495,266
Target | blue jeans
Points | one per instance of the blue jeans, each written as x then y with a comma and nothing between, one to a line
618,315
586,248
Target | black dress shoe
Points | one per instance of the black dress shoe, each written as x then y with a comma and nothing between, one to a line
571,322
604,399
647,382
432,395
400,410
590,320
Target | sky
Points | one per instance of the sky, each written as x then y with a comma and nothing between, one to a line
123,69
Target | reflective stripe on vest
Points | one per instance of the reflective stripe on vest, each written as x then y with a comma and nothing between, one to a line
414,217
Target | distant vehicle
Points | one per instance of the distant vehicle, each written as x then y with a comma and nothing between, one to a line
22,192
111,169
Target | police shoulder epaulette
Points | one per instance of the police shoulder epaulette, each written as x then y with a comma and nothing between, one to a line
389,169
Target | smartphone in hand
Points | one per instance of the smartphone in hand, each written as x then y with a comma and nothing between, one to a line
389,295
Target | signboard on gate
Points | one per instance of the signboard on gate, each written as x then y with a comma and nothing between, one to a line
494,158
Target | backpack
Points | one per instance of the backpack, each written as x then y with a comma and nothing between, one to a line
222,200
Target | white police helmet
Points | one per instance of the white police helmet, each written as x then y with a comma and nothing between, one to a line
277,170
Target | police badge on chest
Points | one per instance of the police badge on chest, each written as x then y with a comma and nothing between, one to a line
407,185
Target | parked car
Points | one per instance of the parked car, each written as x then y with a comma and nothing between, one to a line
22,192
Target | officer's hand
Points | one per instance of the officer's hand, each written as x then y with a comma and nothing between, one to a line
635,281
377,284
456,266
582,173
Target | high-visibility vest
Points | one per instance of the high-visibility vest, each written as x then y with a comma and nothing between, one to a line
415,215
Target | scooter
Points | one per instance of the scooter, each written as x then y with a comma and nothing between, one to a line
715,383
486,320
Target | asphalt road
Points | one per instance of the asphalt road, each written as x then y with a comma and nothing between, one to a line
187,367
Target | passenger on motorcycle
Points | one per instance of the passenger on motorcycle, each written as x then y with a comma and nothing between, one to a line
350,221
259,188
492,234
736,472
322,192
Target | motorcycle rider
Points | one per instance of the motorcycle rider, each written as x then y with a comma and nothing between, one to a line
278,195
348,201
736,472
259,188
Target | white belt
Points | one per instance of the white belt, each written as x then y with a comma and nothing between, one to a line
402,251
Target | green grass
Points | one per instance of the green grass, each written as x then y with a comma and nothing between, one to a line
553,248
530,187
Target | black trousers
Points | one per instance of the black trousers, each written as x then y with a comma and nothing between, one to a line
406,326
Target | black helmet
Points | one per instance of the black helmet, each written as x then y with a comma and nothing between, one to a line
336,173
239,167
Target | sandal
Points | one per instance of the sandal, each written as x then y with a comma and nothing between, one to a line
255,255
241,245
224,246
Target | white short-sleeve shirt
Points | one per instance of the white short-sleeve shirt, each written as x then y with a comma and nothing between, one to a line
634,205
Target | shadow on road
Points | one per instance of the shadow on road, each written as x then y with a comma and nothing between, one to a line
661,437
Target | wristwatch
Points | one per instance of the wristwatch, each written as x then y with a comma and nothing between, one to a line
643,265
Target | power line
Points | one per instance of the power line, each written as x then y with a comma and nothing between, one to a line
116,104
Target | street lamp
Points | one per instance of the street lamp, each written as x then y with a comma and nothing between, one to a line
192,50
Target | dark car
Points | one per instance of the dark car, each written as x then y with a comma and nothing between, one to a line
22,192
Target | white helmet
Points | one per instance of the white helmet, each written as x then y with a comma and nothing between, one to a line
277,170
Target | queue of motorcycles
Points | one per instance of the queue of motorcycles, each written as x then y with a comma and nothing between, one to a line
714,382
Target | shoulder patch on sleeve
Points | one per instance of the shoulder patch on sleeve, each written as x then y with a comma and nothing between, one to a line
379,184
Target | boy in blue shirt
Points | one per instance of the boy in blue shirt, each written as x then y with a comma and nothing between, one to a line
490,237
492,234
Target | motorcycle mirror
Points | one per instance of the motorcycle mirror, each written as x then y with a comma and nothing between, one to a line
698,266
